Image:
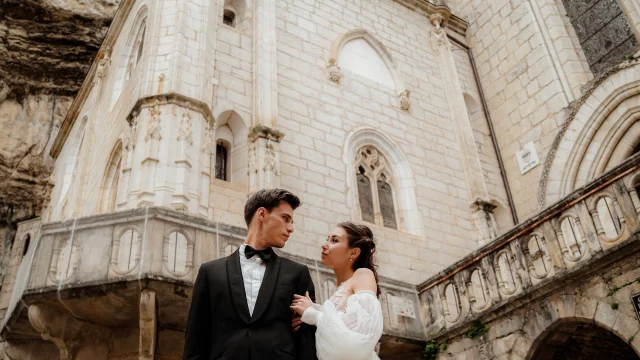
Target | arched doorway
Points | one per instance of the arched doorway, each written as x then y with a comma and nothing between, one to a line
580,340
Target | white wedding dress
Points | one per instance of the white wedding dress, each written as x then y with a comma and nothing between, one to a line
348,326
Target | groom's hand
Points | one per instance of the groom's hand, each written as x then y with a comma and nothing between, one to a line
295,322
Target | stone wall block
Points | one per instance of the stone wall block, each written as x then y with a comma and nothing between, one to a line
605,316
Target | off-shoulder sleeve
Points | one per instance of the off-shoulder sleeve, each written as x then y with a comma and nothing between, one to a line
349,336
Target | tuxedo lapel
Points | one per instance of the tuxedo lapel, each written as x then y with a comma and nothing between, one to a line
267,287
236,286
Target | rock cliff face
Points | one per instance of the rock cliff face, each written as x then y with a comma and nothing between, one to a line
46,47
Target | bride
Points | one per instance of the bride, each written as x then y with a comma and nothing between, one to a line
349,324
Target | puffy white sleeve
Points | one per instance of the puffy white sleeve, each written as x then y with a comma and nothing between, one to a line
347,336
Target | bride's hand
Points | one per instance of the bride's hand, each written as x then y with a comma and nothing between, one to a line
301,303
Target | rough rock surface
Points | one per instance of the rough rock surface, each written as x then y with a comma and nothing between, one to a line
46,47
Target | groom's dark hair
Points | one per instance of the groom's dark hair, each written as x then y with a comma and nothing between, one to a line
268,199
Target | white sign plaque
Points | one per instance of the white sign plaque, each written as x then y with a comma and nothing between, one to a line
403,307
527,157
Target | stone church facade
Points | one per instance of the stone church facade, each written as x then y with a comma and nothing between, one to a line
500,133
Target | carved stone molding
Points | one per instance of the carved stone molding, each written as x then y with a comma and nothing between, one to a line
172,98
261,131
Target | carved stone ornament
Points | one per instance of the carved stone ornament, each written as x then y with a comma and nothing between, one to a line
405,101
334,71
438,34
186,128
153,129
103,64
371,159
129,140
208,143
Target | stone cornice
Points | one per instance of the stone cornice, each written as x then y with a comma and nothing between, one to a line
107,44
454,23
175,99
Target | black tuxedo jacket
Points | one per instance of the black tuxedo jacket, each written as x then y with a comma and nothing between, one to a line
220,327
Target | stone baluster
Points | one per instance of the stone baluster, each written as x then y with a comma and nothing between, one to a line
561,242
577,247
596,221
618,212
635,199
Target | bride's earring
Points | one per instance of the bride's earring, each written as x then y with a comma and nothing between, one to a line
350,259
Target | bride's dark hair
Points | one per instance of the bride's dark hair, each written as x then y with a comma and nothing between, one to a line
360,236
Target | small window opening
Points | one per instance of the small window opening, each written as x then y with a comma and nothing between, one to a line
221,162
229,18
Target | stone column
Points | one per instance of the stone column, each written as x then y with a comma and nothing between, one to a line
484,221
148,324
265,104
462,124
264,138
264,158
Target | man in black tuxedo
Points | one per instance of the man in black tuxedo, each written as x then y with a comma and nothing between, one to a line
240,303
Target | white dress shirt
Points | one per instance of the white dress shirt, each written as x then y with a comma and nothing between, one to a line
252,274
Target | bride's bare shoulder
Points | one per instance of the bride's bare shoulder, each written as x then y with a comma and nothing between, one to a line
363,279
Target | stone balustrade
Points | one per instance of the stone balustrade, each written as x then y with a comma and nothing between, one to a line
590,223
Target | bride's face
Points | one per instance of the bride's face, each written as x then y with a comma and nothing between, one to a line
336,251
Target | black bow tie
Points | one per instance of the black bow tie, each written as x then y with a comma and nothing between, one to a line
264,254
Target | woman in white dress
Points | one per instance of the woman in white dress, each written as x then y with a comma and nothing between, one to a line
349,324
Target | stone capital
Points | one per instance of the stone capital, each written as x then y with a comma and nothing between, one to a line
265,132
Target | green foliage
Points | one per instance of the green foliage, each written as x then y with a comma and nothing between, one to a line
613,291
629,57
638,280
608,279
431,350
614,306
475,330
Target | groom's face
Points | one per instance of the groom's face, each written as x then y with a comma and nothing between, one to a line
277,225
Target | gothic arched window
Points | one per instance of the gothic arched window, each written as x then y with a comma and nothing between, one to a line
136,50
375,190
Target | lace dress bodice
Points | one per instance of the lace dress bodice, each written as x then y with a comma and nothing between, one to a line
348,325
340,296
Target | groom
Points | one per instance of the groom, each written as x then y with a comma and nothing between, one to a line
240,303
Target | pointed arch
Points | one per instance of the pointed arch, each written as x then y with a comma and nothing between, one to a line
602,130
402,181
111,179
376,45
231,135
132,53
